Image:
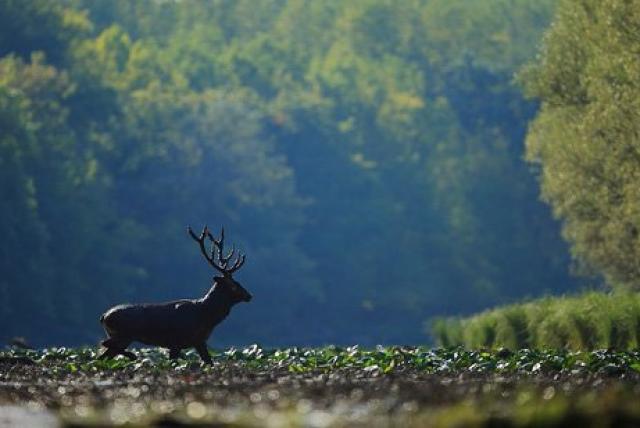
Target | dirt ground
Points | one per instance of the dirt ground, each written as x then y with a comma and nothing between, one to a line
235,393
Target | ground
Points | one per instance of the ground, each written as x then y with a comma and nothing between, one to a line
332,386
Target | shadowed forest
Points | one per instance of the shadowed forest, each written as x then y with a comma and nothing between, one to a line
368,158
438,201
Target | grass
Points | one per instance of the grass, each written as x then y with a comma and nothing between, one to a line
585,322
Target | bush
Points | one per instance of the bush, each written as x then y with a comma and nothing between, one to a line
589,321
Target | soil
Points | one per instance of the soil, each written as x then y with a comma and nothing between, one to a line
51,393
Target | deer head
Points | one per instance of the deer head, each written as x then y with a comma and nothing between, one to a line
223,264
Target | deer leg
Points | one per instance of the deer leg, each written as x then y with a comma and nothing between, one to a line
114,347
174,353
110,348
107,353
129,355
204,353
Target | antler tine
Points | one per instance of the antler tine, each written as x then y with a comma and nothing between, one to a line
238,264
213,251
214,244
219,242
193,235
216,257
203,249
225,260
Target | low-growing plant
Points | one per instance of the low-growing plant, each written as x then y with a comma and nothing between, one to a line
511,327
374,362
428,387
447,331
588,321
480,331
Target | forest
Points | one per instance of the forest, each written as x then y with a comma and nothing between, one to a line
438,202
368,159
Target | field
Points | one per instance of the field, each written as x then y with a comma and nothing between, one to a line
404,386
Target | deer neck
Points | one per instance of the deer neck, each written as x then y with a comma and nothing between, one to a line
217,303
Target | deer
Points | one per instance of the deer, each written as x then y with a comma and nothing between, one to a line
179,324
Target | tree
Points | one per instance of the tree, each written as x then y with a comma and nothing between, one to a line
55,211
585,137
359,152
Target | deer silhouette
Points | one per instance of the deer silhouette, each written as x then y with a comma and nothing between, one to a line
179,324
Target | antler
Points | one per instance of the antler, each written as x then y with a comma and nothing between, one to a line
217,249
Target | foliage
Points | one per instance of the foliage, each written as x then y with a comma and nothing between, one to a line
55,194
414,386
585,138
365,155
39,25
380,360
588,321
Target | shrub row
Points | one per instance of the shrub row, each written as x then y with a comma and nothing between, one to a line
588,321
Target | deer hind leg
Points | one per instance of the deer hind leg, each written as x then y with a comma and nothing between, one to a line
204,353
116,346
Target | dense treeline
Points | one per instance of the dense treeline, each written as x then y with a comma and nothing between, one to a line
585,141
366,155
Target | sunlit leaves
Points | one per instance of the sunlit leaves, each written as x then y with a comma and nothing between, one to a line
586,135
584,322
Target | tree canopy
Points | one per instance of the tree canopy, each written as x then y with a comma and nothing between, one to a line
367,156
585,137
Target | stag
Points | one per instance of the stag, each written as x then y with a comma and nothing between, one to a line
179,324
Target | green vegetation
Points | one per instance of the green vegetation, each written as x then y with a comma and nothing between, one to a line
378,361
585,142
368,156
585,138
328,387
588,321
359,151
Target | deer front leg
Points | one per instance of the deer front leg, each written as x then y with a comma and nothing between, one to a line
204,353
129,355
107,353
174,353
115,346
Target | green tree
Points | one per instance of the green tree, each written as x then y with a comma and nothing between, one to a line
367,156
55,211
39,25
585,138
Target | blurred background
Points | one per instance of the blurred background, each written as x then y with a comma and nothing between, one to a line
368,156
